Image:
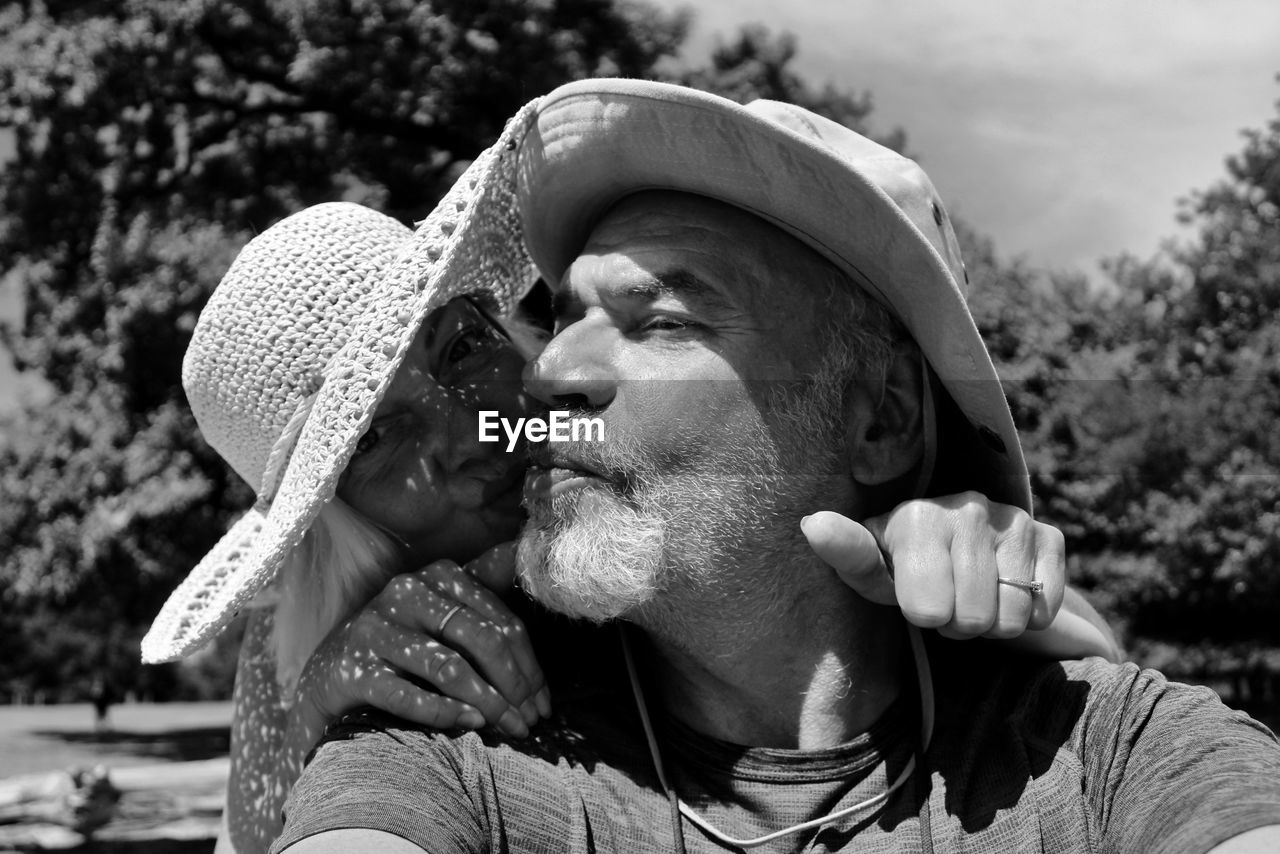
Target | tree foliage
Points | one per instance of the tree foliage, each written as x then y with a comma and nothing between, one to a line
1149,411
756,63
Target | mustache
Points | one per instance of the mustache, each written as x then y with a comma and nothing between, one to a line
616,458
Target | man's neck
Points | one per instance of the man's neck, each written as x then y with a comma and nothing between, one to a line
804,663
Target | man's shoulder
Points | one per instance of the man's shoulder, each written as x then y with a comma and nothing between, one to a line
578,781
1099,690
582,736
1111,755
1064,707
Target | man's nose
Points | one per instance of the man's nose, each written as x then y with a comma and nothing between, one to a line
574,371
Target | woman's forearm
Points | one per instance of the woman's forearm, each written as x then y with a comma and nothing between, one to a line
1077,630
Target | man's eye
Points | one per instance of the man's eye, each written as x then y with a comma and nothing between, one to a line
664,323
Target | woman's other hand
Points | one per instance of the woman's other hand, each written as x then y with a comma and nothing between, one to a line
940,561
437,647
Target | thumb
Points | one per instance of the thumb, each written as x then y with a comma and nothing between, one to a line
496,568
852,551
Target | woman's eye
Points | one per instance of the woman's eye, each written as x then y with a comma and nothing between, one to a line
369,440
467,342
472,341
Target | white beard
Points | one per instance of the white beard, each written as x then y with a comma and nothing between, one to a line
591,554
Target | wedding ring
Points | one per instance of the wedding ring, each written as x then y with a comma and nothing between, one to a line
449,615
1032,587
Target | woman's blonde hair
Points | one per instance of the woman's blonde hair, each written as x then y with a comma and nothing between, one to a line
342,562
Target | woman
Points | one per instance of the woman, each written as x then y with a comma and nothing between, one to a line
343,355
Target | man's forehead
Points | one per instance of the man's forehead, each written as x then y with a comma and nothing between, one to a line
657,215
661,243
705,252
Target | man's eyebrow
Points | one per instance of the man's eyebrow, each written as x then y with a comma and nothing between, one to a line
681,284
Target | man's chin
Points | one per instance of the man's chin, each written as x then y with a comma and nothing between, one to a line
556,597
593,567
572,607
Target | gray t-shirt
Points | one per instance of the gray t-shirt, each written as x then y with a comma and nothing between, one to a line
1026,756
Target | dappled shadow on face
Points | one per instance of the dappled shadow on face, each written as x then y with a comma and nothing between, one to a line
181,745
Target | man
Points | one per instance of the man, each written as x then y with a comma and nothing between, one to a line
765,311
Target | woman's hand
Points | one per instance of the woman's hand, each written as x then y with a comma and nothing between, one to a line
945,557
436,647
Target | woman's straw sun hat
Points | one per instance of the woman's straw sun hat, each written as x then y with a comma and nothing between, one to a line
295,349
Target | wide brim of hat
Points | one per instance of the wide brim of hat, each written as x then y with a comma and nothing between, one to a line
470,244
597,141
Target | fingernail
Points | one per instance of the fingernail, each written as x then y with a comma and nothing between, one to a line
511,724
543,699
471,719
529,711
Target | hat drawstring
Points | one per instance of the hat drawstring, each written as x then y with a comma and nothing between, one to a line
929,431
280,452
924,677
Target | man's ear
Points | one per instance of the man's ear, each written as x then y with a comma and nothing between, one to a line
885,435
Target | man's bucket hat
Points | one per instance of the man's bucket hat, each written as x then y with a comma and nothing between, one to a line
297,346
870,211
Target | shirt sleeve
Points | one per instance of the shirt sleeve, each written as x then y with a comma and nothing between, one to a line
1169,767
369,775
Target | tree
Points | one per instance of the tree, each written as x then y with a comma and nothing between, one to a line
1149,412
756,63
1215,351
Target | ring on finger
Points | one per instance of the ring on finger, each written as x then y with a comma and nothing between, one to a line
1032,587
449,615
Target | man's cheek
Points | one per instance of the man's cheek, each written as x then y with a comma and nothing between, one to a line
680,423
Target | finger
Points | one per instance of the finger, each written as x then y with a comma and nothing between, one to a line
916,537
446,670
387,689
1016,559
954,634
1051,569
406,597
853,552
496,568
975,573
415,611
494,640
922,578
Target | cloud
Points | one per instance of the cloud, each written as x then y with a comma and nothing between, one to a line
1065,130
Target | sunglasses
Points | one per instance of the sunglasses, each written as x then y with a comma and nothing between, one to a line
463,342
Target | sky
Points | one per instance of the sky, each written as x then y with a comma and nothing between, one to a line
1065,130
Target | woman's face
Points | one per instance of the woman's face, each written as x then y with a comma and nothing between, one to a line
420,471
